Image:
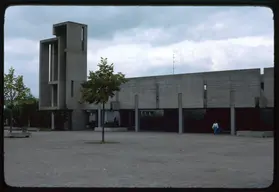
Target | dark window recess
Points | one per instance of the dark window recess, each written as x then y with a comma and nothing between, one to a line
262,85
257,102
152,113
82,38
72,88
82,45
205,95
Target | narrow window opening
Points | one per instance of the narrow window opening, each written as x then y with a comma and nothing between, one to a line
82,38
82,33
262,85
205,95
49,62
205,91
72,88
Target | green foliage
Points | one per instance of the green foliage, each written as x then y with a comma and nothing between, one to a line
102,84
15,92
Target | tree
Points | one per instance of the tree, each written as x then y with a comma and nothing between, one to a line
28,107
101,85
15,92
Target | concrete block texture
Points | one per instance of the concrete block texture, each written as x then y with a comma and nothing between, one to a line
146,91
246,86
268,80
163,90
168,88
126,95
237,87
192,88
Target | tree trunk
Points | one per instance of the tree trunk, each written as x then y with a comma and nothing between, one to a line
103,123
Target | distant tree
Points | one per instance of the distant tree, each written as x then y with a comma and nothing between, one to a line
15,93
101,85
28,107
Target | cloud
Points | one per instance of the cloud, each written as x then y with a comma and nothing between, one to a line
135,59
147,40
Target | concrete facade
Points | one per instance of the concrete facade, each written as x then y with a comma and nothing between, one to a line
63,67
239,88
268,83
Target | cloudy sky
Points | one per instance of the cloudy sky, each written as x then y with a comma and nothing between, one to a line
142,40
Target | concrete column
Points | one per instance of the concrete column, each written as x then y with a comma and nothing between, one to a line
137,113
233,131
99,116
52,121
180,114
232,110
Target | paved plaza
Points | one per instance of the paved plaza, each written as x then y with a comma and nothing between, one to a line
59,159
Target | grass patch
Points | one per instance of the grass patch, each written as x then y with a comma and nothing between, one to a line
100,142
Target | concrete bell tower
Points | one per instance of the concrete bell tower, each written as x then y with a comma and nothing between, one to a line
63,67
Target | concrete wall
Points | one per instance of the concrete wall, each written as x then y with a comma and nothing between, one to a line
166,88
44,87
192,89
189,85
239,87
268,79
224,88
218,89
146,91
246,86
68,63
61,73
76,63
126,96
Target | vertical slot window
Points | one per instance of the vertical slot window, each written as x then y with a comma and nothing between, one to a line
72,88
49,62
82,38
262,85
205,95
205,91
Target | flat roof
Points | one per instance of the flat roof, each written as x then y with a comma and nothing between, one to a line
195,73
50,40
65,23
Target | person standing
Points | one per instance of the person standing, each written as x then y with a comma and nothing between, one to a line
215,128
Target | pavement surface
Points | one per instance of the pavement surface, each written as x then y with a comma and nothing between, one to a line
68,159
